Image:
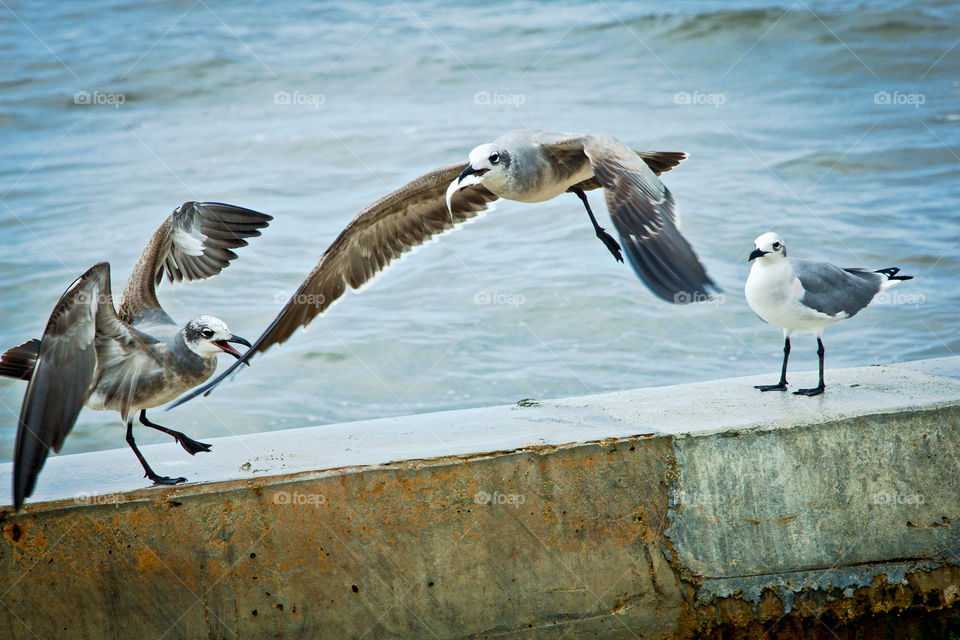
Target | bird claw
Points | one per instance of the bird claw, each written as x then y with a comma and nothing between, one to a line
611,244
193,447
815,391
771,387
164,479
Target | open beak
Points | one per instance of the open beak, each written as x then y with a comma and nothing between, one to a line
756,253
224,346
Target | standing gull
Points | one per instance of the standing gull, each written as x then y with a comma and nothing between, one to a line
524,165
132,360
802,296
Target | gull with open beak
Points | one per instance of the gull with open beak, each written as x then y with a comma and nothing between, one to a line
128,360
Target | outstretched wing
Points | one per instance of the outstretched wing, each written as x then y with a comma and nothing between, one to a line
382,232
64,374
644,213
194,243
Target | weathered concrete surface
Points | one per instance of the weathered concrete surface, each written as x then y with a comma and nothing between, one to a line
705,510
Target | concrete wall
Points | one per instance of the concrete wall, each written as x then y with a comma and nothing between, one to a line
688,511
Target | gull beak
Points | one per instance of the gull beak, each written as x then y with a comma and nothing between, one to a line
470,171
226,348
756,253
467,177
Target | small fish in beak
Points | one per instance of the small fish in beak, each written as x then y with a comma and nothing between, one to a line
472,177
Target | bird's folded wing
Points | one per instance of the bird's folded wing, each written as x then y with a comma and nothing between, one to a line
644,213
382,232
64,373
194,243
831,290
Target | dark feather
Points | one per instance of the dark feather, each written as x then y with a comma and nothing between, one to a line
644,213
63,377
217,226
18,362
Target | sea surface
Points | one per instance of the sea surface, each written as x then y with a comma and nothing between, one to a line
834,123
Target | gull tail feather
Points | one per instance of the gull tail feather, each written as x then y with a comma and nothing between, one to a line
892,278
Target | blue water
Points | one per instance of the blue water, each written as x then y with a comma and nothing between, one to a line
834,123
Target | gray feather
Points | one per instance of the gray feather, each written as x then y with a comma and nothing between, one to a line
193,243
63,377
831,290
644,213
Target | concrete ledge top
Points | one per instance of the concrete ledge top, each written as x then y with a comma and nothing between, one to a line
679,410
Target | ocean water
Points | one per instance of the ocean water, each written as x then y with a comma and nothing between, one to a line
834,123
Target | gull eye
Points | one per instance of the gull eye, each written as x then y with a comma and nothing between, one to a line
494,158
207,333
776,245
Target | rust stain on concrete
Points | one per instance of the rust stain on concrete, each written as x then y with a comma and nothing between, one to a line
331,553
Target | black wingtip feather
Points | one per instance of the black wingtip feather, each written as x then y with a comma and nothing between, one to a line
891,273
662,161
242,214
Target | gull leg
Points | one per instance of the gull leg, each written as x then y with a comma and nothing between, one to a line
817,390
146,467
190,445
605,237
782,385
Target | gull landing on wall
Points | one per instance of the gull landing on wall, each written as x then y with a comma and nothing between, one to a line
128,360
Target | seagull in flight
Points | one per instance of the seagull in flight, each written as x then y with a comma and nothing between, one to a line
128,360
523,165
535,166
802,296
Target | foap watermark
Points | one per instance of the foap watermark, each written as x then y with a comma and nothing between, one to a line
87,298
107,498
98,98
899,98
691,498
299,98
515,100
512,499
892,497
298,499
900,297
302,299
499,298
711,99
698,297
